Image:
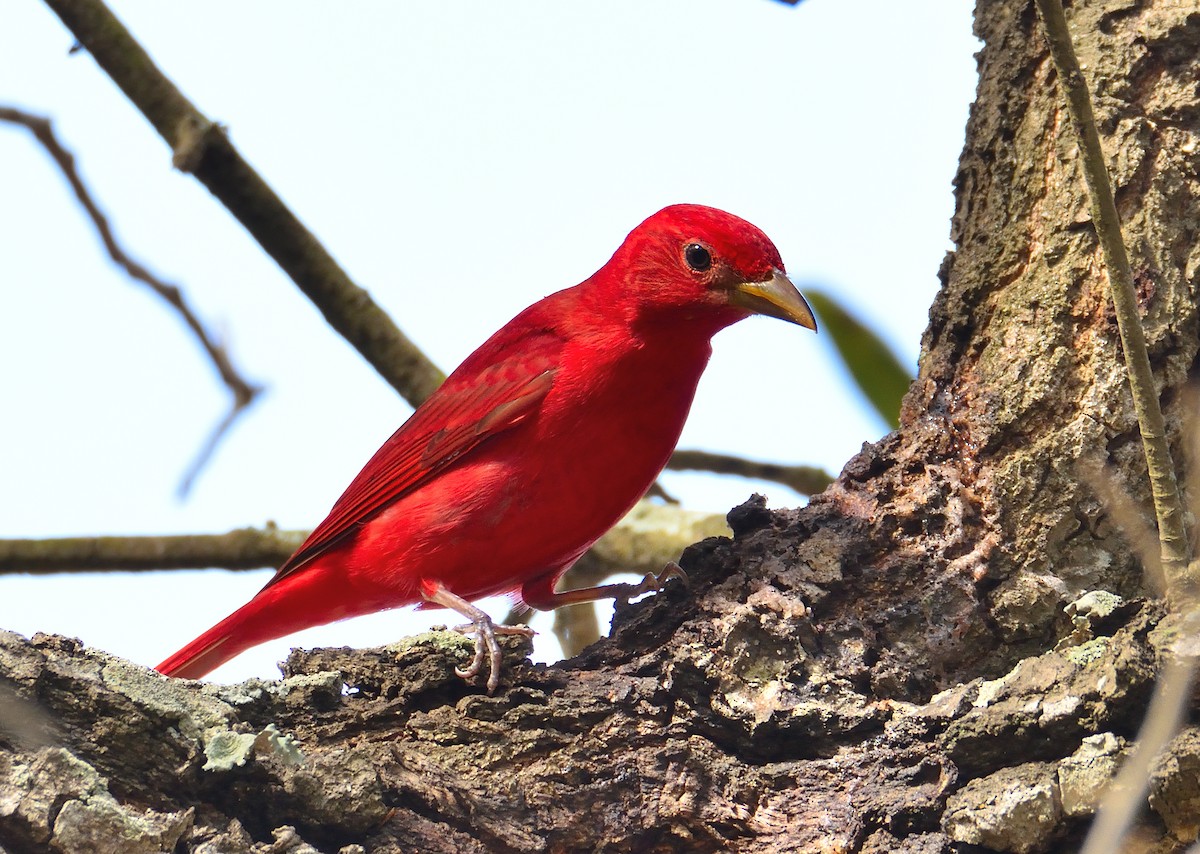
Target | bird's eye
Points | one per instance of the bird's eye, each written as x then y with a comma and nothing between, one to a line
697,257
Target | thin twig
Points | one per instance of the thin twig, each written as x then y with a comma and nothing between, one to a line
202,148
1126,794
1168,505
807,480
1172,690
243,391
208,448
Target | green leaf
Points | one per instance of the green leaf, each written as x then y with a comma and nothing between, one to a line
879,373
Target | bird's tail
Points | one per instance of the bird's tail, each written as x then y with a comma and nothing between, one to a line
233,635
296,603
207,652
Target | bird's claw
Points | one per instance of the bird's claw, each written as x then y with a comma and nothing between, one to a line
481,624
485,631
652,583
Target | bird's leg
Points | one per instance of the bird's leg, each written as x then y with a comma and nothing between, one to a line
539,594
481,624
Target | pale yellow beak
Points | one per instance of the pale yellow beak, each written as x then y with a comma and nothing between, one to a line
775,297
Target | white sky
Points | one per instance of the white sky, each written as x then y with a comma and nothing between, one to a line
461,160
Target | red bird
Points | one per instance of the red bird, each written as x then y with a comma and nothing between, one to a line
539,443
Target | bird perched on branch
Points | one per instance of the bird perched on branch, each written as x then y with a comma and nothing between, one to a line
537,444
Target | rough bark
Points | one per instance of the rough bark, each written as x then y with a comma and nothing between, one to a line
888,669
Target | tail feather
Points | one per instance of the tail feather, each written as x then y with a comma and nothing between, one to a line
216,646
314,597
301,601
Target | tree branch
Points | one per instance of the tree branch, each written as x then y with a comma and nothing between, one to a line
807,480
202,148
644,541
243,391
244,548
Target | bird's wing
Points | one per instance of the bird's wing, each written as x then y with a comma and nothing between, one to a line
474,404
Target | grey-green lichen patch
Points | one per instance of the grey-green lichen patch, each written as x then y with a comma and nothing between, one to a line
64,804
285,747
1088,652
242,693
193,706
443,639
326,684
1094,605
226,749
1084,613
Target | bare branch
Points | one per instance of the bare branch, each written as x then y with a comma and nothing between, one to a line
644,541
208,448
243,391
202,148
245,548
807,480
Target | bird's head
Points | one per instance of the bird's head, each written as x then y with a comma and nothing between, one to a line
704,266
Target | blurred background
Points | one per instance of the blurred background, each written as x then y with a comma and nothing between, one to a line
460,161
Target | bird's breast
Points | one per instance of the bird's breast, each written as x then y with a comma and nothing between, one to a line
606,432
531,499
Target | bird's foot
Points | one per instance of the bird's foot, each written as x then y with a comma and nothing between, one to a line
541,597
484,628
651,583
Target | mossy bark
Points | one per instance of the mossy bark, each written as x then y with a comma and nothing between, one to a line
888,669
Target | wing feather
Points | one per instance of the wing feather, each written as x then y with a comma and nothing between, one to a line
474,404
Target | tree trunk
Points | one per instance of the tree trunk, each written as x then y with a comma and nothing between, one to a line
820,684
